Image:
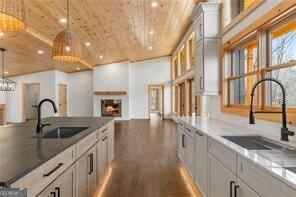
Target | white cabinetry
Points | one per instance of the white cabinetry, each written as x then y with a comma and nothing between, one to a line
208,41
86,173
181,141
201,161
221,180
189,151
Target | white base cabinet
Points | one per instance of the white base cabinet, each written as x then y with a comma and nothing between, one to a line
219,171
63,186
201,161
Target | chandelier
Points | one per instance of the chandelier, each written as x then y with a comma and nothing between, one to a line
6,84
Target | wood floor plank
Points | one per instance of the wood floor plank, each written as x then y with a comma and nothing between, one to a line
146,162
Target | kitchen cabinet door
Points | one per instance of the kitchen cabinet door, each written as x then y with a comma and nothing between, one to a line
111,143
243,190
63,186
86,173
189,157
181,141
199,68
201,161
92,170
221,180
102,157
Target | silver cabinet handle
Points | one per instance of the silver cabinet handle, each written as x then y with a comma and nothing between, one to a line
200,134
187,129
200,81
200,29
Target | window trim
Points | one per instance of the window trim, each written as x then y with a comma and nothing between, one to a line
241,16
264,66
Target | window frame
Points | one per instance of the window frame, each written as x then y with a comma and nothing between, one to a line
264,56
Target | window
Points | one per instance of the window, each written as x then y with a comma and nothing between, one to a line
175,68
191,43
183,60
282,66
175,99
234,8
270,52
244,66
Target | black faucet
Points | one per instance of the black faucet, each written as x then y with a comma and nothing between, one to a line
285,133
39,124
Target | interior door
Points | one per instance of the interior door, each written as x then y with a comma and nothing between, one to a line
63,100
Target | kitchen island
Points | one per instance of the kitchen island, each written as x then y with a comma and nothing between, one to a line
33,162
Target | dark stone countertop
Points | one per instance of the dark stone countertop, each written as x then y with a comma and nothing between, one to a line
21,152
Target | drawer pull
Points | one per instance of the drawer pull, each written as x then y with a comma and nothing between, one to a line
58,191
198,133
235,190
187,129
53,194
53,170
104,139
200,29
183,141
231,183
91,163
105,130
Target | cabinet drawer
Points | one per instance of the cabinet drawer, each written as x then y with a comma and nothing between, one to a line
261,181
223,154
42,176
189,130
103,130
85,144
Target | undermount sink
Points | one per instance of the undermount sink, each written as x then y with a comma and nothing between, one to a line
62,132
280,154
254,142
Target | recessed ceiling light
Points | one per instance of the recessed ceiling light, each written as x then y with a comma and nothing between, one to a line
5,72
154,4
67,48
63,20
101,56
1,34
87,44
151,32
77,68
40,52
150,47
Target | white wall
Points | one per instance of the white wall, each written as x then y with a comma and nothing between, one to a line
80,94
14,99
144,73
112,77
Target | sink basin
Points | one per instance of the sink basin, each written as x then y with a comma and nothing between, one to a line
292,169
254,142
62,132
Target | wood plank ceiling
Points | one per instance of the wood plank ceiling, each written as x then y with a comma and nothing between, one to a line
116,29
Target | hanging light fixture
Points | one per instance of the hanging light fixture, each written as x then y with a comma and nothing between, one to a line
66,47
6,84
12,15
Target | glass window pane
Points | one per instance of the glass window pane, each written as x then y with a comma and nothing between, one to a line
288,77
240,90
244,59
234,8
283,44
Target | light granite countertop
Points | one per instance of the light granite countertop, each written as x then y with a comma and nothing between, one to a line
216,128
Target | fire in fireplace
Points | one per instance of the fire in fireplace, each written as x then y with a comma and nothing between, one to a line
111,108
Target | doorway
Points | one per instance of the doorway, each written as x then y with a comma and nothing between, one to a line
63,100
31,97
156,101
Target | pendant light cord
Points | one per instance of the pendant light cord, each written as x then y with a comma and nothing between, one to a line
68,20
3,65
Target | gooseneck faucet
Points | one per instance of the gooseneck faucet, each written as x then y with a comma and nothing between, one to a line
39,124
285,133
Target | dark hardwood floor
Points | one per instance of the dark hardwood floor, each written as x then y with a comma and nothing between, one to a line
146,162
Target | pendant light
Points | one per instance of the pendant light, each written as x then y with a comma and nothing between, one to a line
12,15
6,84
66,47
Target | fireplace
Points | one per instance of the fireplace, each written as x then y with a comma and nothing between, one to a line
111,108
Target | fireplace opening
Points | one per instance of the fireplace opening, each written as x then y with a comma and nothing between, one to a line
111,108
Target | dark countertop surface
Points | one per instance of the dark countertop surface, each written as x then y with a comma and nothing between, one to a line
21,152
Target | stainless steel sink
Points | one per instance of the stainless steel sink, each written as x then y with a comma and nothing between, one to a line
253,142
280,154
62,132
